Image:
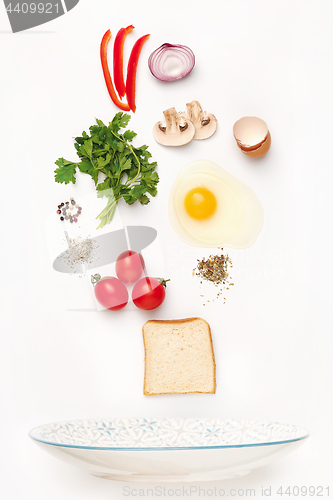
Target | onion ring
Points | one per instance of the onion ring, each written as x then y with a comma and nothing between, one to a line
171,62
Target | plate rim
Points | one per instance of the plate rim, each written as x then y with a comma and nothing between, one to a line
305,435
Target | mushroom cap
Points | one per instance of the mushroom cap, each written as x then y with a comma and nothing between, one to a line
206,128
177,130
205,123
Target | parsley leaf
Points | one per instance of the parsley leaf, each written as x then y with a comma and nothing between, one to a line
125,171
66,171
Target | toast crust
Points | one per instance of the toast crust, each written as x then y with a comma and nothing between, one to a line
177,321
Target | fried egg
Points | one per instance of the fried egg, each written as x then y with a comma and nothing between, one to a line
208,207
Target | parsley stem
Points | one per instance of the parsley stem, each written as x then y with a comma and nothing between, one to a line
108,212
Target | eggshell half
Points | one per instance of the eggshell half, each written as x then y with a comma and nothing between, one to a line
261,150
252,136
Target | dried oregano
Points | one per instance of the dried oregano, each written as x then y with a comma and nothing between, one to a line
216,270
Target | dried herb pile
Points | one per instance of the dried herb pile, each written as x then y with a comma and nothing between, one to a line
216,270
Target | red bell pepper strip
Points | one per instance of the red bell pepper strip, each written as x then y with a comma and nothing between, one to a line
118,52
106,72
131,71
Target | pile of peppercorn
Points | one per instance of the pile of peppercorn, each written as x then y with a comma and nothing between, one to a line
69,205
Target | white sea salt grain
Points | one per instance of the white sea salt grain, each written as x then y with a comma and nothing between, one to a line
80,253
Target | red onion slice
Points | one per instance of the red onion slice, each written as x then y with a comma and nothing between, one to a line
171,62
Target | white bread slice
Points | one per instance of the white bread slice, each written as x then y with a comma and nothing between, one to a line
179,357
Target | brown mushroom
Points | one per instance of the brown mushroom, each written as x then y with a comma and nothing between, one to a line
205,123
176,131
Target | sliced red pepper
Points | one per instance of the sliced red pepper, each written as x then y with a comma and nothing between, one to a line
106,72
118,52
131,71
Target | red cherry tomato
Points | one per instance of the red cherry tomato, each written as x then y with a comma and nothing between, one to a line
111,293
148,293
129,266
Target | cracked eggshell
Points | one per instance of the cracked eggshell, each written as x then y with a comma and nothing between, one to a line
252,136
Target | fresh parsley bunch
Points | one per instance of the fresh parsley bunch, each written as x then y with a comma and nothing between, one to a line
127,171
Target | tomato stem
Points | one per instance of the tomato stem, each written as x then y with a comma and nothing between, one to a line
162,281
95,278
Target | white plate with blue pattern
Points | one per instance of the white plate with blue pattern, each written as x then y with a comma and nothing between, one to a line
170,449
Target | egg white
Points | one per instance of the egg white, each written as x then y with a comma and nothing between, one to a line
237,220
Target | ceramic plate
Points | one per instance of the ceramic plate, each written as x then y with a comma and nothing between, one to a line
168,450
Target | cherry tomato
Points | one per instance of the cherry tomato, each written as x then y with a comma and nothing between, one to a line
111,293
148,293
129,266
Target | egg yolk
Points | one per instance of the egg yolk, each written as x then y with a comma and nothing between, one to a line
200,203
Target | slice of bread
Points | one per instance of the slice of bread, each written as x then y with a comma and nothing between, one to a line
179,357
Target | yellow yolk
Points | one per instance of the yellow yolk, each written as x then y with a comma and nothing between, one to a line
200,203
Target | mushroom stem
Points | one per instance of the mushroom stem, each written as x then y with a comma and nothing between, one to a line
205,123
171,120
177,130
194,111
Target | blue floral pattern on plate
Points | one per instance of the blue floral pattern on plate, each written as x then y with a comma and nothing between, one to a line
169,433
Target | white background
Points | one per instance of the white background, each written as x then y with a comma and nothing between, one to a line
273,337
